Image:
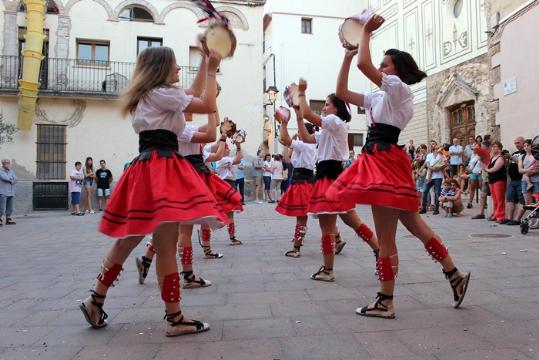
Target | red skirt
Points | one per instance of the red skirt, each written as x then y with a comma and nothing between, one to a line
228,199
295,200
158,190
381,178
319,204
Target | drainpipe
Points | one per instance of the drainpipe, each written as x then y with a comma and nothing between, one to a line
32,56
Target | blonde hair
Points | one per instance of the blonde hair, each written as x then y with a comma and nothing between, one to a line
153,68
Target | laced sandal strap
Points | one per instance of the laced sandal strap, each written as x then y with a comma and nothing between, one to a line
190,277
94,295
170,317
454,281
323,270
209,253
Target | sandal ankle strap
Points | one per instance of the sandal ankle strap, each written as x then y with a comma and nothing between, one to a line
382,297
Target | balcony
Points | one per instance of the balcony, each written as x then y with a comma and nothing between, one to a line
77,78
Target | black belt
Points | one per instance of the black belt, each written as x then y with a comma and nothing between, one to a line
165,142
382,135
300,175
329,169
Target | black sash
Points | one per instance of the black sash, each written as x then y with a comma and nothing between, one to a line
329,169
300,175
198,163
382,135
164,141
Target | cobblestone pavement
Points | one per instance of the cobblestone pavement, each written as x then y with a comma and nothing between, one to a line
264,306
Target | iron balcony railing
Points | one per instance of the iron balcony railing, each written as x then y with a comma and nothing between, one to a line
78,77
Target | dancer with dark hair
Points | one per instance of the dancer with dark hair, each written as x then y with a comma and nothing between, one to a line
382,176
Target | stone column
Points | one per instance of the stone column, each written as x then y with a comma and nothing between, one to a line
59,71
10,66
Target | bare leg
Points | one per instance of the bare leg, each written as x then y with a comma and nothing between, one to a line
185,251
232,230
205,242
328,225
352,220
299,236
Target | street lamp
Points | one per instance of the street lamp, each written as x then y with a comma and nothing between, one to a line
272,92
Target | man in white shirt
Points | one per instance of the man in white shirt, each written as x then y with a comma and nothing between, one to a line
435,164
455,159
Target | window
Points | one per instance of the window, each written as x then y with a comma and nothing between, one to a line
355,140
144,42
51,7
135,13
51,152
93,52
306,25
194,57
317,106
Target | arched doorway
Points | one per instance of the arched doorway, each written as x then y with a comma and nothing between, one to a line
462,121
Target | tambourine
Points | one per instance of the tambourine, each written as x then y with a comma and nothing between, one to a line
350,29
291,95
220,38
239,137
282,115
228,127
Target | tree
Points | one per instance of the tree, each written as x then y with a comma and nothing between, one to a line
6,131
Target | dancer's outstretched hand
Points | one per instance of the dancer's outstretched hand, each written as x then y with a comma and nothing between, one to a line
350,53
302,85
374,23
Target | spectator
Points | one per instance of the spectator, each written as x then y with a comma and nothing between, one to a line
240,180
89,176
420,176
514,187
485,190
458,206
468,150
479,140
497,179
258,170
267,178
475,181
455,156
277,177
411,149
525,164
351,157
435,164
7,191
104,179
75,188
445,198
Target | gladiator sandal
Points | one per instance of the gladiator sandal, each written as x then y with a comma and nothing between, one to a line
323,274
459,284
339,244
204,236
190,281
93,310
175,325
143,265
299,237
232,234
378,308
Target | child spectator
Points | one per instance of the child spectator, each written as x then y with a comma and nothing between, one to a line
104,179
446,193
75,188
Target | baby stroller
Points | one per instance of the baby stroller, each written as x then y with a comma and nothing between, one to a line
534,208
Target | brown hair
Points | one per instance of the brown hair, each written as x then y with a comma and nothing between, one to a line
153,68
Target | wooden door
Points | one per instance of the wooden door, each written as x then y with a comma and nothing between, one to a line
462,121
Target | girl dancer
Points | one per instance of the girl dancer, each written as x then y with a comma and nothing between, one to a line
332,145
151,196
382,176
224,169
296,198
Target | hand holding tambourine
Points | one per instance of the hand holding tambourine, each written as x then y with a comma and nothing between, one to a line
218,36
282,115
350,30
228,127
239,137
302,85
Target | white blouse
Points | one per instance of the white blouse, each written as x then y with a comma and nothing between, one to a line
225,169
162,108
303,155
332,139
185,146
393,105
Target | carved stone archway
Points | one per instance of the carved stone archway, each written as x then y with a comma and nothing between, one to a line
146,5
181,5
103,3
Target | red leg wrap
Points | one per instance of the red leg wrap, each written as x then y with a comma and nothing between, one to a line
108,276
299,233
364,232
205,235
232,230
150,247
170,289
328,245
385,270
187,255
436,249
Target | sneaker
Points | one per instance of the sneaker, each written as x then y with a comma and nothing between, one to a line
100,210
92,212
479,216
503,222
422,211
435,212
87,211
469,206
513,222
80,213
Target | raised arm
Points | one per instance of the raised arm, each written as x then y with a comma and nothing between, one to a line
206,134
207,104
364,60
306,111
343,92
302,130
197,88
284,136
239,155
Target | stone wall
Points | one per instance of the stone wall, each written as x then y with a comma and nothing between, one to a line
417,128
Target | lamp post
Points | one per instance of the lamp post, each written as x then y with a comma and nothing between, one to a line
272,92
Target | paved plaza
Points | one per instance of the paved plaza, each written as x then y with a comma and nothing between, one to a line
264,306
